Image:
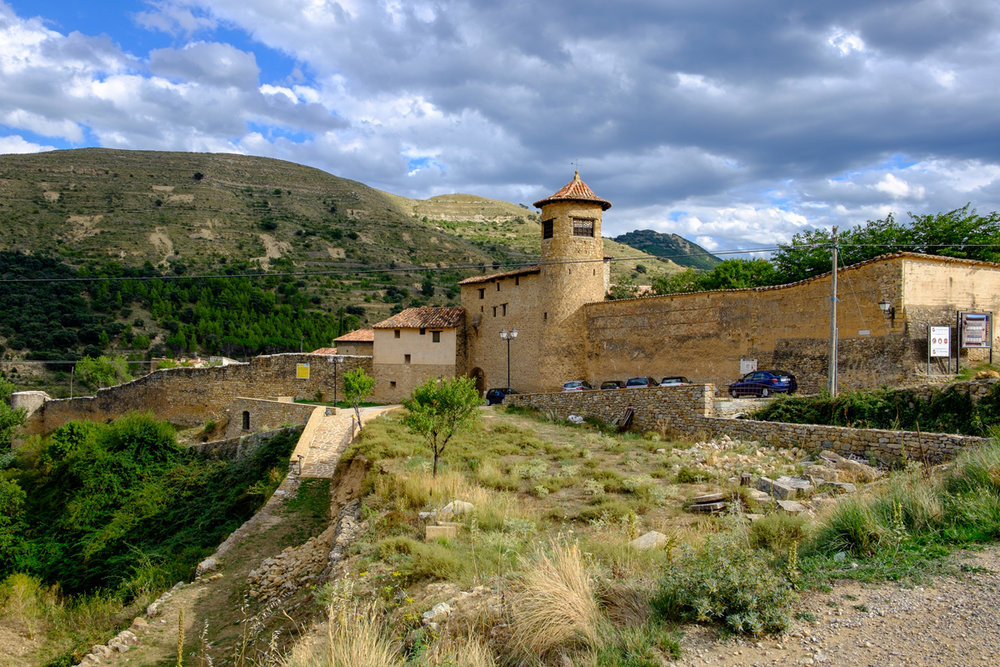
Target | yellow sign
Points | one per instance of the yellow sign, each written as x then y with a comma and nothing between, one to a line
302,371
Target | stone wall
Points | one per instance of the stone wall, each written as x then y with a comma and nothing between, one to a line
264,415
190,396
241,446
687,412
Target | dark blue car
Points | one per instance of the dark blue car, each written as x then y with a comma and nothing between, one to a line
763,384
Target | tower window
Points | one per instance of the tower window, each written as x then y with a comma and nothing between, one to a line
498,285
494,311
246,420
517,280
406,358
583,227
482,292
504,309
547,229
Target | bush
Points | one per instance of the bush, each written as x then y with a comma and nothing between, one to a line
778,532
724,581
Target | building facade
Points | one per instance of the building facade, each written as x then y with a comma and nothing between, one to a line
415,345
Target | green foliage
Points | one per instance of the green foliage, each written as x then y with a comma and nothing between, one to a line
12,499
11,419
104,371
778,532
437,409
947,410
358,385
724,581
121,507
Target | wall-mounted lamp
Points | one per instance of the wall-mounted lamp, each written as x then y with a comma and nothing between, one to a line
888,309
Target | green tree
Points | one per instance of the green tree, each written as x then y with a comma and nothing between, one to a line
11,521
358,386
438,409
739,274
104,371
10,419
683,281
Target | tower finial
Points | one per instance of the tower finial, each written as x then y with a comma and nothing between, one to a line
576,174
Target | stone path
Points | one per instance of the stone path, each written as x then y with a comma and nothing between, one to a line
327,436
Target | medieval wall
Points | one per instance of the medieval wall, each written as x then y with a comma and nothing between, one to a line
190,396
239,447
704,335
250,415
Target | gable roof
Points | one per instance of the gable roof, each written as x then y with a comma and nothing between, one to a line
324,350
425,317
357,336
497,276
575,190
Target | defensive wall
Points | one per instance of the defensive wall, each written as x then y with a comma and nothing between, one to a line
241,446
191,396
688,412
249,415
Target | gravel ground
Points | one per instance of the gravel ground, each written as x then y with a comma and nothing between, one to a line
953,620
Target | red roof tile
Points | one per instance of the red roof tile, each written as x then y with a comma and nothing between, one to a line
575,190
497,276
357,336
425,317
324,350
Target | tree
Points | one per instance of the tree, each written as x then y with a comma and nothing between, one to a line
357,386
10,419
103,371
438,409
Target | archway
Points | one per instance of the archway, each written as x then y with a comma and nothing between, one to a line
480,377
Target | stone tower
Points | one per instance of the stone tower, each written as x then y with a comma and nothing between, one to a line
573,272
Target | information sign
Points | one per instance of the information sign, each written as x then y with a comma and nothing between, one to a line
940,341
976,330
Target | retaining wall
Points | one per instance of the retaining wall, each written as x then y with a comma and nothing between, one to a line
240,447
688,412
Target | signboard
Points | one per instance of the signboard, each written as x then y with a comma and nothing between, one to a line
302,371
976,330
747,365
940,341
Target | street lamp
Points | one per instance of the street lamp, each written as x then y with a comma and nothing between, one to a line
508,336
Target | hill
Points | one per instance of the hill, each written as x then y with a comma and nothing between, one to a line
670,247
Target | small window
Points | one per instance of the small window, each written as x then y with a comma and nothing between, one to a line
547,229
482,309
406,358
392,384
517,280
435,336
494,311
545,316
498,285
423,331
505,310
582,227
246,420
482,292
396,333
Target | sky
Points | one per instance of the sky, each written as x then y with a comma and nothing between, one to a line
735,124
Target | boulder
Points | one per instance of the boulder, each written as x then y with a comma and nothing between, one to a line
855,470
650,540
454,509
207,565
792,506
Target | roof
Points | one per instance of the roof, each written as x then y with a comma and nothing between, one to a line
425,317
497,276
324,350
575,190
357,336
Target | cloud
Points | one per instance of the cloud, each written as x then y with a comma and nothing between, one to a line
17,144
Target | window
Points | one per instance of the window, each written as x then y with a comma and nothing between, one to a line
392,384
395,333
504,309
494,311
406,358
482,292
435,336
498,285
545,316
583,227
423,331
246,420
517,280
547,229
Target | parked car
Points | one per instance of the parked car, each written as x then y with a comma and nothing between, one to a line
639,382
763,384
674,381
495,396
576,385
612,384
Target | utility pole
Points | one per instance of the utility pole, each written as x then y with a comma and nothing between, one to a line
833,317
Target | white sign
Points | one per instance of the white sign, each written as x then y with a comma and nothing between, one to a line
940,341
747,365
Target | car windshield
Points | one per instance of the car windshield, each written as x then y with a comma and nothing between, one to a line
573,385
677,379
632,382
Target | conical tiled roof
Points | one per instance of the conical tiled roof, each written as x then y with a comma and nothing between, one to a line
575,190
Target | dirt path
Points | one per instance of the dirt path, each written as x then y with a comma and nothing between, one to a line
952,620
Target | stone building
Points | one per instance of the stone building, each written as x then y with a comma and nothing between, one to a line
358,342
567,331
414,345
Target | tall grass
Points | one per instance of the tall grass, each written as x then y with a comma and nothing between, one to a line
356,635
552,602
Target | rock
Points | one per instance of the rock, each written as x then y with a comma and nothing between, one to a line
650,540
760,496
140,622
454,509
436,614
100,651
90,659
841,487
708,508
853,469
708,498
432,533
839,557
153,610
127,637
787,488
792,506
207,565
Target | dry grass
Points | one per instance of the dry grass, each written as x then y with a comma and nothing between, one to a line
552,603
356,635
464,651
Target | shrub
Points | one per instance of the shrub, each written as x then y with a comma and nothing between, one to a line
851,526
725,581
778,532
356,635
